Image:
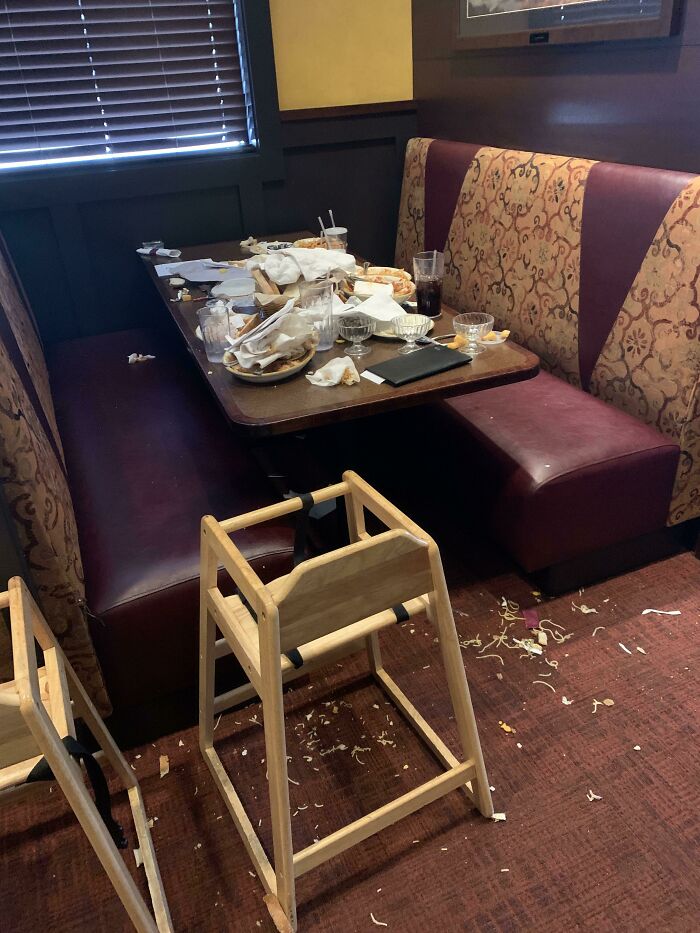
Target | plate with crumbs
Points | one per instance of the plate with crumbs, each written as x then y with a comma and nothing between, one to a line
276,372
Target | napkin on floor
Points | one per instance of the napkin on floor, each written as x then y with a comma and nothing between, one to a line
340,371
287,266
283,335
381,308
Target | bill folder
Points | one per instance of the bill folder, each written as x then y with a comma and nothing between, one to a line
425,362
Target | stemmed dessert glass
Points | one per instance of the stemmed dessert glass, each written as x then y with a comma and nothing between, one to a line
411,327
472,326
356,328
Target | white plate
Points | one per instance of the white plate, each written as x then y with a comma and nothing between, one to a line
390,335
266,378
494,343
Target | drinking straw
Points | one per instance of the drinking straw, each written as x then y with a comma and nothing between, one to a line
323,232
332,218
434,261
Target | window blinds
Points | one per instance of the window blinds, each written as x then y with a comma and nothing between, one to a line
104,79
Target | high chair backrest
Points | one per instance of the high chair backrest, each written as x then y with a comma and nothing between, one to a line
327,593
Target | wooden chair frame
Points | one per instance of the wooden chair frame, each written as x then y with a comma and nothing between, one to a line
258,651
47,700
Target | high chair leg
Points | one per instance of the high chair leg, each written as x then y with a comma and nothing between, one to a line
278,782
441,613
69,778
207,646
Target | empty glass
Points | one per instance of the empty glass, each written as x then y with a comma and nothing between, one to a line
356,328
472,326
214,325
317,297
410,327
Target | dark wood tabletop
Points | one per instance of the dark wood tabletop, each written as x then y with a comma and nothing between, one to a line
296,404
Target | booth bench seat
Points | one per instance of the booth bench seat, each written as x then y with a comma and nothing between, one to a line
594,267
147,455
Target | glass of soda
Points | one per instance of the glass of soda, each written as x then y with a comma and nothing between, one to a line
428,270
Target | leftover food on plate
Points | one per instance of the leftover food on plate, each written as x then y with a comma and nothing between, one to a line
384,270
495,336
274,372
402,289
311,242
457,342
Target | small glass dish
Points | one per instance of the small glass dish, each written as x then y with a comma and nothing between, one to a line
411,327
355,328
472,326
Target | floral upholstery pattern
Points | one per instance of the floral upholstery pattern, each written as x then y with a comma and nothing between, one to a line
39,502
410,237
514,250
650,364
13,303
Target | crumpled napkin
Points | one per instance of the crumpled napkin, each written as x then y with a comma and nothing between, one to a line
170,253
287,266
381,308
283,335
340,371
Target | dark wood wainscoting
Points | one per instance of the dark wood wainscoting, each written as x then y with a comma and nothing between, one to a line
73,233
634,101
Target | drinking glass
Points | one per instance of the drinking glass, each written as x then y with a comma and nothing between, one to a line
472,326
356,328
428,271
337,238
214,325
317,297
410,327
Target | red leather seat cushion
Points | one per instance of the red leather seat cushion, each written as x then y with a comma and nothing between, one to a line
567,472
148,454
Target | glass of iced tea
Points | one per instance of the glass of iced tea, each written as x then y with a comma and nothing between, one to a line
428,270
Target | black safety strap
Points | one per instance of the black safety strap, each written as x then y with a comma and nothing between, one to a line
302,531
42,772
400,613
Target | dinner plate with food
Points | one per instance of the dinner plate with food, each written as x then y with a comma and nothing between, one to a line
275,372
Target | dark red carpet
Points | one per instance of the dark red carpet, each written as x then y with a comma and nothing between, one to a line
626,862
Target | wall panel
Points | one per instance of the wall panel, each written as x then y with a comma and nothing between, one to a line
622,101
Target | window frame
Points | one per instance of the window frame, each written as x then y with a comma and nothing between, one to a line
21,186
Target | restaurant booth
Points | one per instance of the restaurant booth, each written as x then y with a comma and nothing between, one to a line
331,385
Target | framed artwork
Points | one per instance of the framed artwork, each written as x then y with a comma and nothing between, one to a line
494,23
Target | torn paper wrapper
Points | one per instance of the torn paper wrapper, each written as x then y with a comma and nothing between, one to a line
139,357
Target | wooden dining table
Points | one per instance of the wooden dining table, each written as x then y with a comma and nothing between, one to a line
295,404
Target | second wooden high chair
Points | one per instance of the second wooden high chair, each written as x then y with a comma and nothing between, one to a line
38,709
327,607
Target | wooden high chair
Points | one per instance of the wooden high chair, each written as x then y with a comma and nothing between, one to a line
327,607
38,742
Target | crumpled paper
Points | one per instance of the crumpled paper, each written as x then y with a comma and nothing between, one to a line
284,335
381,308
287,266
340,371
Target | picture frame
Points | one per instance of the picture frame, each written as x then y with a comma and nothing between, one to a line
485,24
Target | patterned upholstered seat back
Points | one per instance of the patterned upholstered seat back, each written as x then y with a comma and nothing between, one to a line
35,486
593,266
514,249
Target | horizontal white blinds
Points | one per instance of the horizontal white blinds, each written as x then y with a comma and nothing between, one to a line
103,78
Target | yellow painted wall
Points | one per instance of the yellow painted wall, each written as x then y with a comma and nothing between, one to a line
330,53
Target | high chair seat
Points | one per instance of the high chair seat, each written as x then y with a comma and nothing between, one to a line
327,607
